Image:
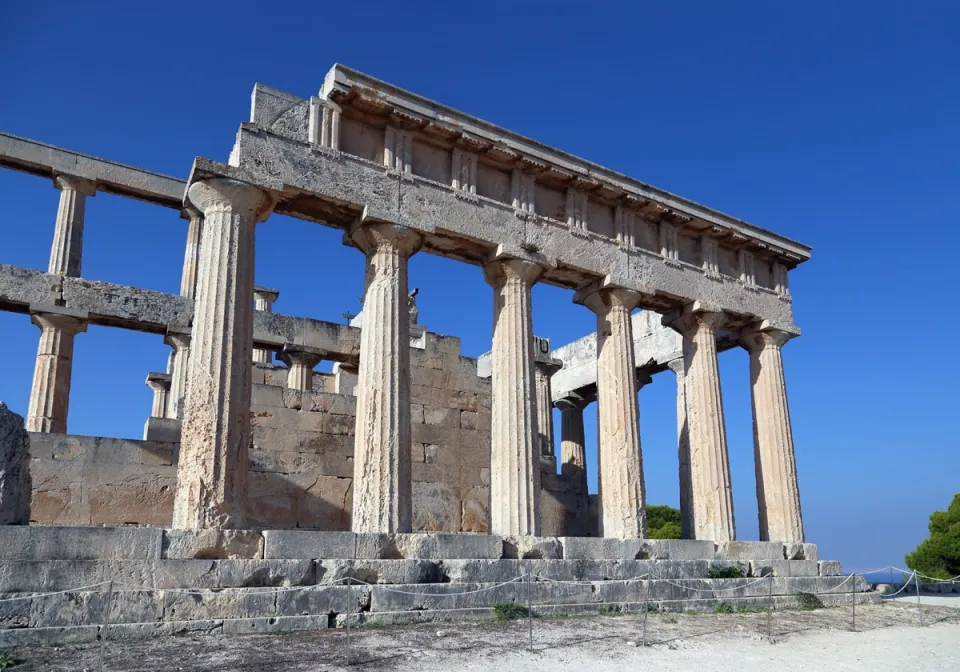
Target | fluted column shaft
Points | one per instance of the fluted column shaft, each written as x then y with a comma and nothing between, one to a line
712,492
514,442
622,497
191,255
215,435
66,253
542,373
180,342
382,488
683,451
50,392
778,493
573,457
161,393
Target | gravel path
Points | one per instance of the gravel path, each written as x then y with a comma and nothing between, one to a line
887,638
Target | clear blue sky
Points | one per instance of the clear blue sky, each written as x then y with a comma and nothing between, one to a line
835,124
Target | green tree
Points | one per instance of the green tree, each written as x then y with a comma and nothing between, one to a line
938,556
663,522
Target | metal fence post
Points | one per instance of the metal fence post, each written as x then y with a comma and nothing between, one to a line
646,608
916,580
770,609
853,598
529,608
346,620
106,622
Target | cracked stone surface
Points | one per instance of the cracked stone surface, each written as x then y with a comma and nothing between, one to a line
215,435
778,494
711,491
15,483
621,490
382,498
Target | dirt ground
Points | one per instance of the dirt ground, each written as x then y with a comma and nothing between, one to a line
888,637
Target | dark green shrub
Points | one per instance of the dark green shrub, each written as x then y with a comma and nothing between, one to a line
725,572
809,602
508,611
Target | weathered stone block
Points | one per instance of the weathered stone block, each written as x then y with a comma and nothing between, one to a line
794,551
830,568
532,548
380,571
443,546
751,550
269,396
323,600
308,544
212,544
265,573
592,548
784,568
79,543
188,605
678,549
16,486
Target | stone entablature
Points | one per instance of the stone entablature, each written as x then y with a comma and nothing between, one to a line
676,250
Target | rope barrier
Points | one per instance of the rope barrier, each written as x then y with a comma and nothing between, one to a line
59,592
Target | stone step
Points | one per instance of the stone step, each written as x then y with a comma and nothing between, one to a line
148,608
20,543
53,575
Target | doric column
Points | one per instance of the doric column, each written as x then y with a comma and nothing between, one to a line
622,497
263,298
778,493
50,393
683,451
180,342
382,489
300,360
191,255
160,384
514,443
712,494
543,369
573,453
66,254
215,435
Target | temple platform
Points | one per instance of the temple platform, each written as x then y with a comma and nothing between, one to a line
60,584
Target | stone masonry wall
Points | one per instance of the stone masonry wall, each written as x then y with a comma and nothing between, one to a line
301,458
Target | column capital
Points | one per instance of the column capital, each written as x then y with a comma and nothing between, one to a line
177,339
678,366
548,367
266,294
158,381
693,317
576,401
55,317
760,337
302,355
499,270
78,184
370,236
224,194
601,298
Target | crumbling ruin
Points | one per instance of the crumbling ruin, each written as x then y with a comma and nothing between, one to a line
407,447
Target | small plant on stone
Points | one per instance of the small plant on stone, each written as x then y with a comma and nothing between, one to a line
743,609
809,602
6,660
508,611
724,608
725,572
612,610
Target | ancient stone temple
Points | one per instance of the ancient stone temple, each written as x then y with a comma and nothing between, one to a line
407,449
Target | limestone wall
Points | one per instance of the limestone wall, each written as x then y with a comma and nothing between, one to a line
301,458
89,480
